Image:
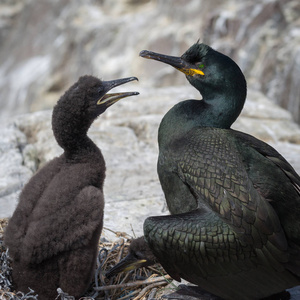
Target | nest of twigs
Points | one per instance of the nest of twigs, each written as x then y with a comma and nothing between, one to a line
141,284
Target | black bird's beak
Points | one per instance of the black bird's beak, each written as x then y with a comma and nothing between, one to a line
110,99
174,61
128,263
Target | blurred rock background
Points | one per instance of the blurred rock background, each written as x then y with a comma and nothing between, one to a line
45,45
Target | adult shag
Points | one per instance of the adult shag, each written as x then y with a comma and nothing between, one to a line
235,201
54,232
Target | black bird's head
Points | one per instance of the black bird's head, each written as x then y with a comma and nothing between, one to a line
140,255
81,104
209,71
216,76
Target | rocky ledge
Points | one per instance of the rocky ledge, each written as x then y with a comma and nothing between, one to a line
127,136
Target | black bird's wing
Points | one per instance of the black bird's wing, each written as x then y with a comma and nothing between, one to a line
193,245
69,228
203,249
246,140
210,165
242,239
276,180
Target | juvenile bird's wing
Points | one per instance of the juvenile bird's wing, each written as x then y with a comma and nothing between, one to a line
71,227
18,223
210,164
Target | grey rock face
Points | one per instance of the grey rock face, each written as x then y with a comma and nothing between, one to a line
46,45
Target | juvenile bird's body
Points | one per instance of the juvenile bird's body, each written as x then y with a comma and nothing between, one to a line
234,200
53,234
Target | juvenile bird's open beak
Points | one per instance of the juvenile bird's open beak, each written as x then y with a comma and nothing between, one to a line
128,263
109,99
174,61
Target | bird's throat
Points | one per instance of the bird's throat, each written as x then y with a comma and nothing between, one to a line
189,114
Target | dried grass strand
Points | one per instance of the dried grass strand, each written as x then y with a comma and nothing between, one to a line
147,289
133,284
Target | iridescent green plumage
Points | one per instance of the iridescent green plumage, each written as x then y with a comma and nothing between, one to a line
234,200
236,236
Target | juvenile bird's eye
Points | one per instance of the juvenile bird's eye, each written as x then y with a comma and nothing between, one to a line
100,90
200,66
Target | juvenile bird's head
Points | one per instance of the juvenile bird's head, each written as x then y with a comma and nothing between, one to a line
89,95
81,104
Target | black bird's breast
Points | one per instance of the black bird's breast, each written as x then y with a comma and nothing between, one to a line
207,163
234,202
210,169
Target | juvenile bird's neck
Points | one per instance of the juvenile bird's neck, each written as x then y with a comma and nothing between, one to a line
70,131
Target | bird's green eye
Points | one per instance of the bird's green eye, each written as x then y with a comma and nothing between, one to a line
200,66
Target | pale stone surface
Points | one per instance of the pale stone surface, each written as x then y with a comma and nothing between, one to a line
127,137
46,45
13,174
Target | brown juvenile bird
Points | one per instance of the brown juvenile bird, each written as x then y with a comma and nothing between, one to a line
53,234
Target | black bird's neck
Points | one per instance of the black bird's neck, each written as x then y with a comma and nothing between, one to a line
70,131
219,112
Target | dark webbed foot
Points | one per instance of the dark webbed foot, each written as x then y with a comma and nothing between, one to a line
285,295
289,294
294,292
